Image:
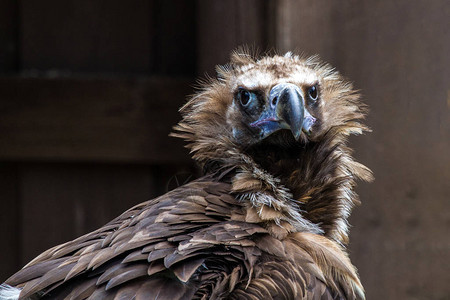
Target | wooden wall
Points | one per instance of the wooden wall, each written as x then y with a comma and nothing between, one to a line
89,92
397,53
88,95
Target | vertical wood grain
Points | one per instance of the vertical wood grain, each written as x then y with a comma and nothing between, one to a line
222,26
396,52
10,220
8,36
173,37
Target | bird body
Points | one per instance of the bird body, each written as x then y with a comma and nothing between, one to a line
267,220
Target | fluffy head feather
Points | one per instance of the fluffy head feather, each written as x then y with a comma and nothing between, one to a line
306,183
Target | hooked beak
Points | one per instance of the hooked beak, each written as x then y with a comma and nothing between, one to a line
285,110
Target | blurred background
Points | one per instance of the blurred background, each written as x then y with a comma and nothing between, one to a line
89,91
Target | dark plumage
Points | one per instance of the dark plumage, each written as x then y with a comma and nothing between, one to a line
268,220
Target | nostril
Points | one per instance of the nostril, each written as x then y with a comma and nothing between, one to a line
274,101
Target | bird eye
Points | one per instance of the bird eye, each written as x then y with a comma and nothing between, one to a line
245,97
312,92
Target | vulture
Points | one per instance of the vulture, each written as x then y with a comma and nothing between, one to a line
266,220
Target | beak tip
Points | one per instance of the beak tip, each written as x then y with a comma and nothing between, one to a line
297,134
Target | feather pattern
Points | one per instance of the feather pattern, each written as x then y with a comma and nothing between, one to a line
267,220
221,259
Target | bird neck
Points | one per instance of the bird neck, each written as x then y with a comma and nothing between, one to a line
294,187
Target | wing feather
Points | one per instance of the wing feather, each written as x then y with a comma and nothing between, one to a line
192,241
127,274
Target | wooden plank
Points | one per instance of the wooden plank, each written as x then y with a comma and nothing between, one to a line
8,36
9,221
64,201
68,119
222,26
86,36
396,52
173,41
305,26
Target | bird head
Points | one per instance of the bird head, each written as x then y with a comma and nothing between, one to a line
280,101
282,121
274,100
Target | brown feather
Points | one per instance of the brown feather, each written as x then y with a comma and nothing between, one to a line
127,274
267,221
83,290
185,270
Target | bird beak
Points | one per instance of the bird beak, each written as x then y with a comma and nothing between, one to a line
285,110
